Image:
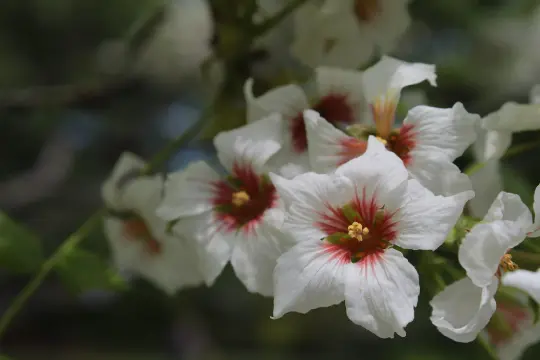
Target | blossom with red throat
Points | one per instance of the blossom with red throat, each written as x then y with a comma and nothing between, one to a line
465,307
338,96
427,142
346,33
138,238
346,226
233,217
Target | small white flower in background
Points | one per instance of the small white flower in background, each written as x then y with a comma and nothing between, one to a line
345,225
139,241
346,33
429,140
235,217
465,307
512,329
338,96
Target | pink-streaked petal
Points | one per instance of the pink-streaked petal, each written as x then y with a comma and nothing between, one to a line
188,192
463,309
329,147
309,276
288,100
381,295
446,131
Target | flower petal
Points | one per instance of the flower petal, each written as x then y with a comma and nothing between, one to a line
126,168
514,117
288,100
392,74
514,349
524,280
445,131
487,184
426,219
380,172
534,96
482,249
381,295
462,309
534,231
188,192
213,245
508,206
254,143
125,252
335,81
326,143
309,276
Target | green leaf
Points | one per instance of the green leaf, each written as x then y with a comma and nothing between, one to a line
20,249
81,270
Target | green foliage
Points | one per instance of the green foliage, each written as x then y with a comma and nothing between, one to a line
20,249
81,270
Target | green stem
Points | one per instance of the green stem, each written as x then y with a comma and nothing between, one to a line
71,242
74,239
484,343
270,23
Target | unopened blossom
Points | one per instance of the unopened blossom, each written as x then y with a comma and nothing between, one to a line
346,226
233,217
338,94
427,142
138,238
512,328
465,307
346,33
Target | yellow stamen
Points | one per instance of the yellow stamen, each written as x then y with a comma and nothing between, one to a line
383,141
507,264
357,231
239,198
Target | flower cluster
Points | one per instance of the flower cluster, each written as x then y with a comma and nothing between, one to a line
321,197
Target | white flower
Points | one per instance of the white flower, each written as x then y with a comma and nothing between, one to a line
346,33
338,95
534,231
235,217
345,225
514,329
464,308
429,140
138,238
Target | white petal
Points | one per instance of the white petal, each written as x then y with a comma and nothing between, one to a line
534,231
392,74
438,174
445,131
534,96
380,172
519,343
527,281
126,168
307,277
143,195
388,26
325,143
514,117
188,192
462,309
288,100
508,206
496,144
335,81
425,219
381,295
482,249
254,143
125,252
255,255
213,245
487,184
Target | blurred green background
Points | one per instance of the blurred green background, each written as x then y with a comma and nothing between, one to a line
67,113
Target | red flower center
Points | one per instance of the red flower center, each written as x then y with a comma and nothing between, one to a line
241,200
507,320
400,141
137,230
358,231
333,107
366,10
